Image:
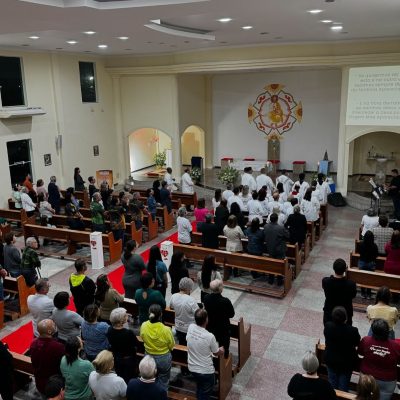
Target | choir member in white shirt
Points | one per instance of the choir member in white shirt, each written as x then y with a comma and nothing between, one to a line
315,192
245,196
286,181
282,195
235,199
255,209
248,179
264,180
309,206
288,205
281,216
262,199
170,180
187,183
275,203
216,200
228,192
323,187
302,183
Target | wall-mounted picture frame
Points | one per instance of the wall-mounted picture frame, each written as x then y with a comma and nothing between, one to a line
47,159
96,150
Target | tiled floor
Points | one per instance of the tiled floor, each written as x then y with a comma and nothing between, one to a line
282,329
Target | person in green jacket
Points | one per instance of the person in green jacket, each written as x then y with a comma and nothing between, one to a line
30,261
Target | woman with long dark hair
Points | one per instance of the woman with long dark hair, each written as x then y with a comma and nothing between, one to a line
237,212
368,253
106,297
79,183
158,269
216,200
177,270
134,266
208,273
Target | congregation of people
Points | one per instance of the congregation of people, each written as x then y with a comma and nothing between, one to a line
89,349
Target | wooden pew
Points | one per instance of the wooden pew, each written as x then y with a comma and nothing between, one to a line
293,253
240,331
72,238
167,219
324,214
17,286
19,216
247,262
311,232
374,280
4,229
82,196
176,203
354,258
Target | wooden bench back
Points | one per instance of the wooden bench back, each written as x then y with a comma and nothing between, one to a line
374,280
355,257
82,196
16,215
18,285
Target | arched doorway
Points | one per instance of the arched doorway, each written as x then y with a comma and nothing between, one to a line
144,143
192,144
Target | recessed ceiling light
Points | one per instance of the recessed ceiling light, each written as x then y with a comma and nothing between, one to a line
336,27
72,42
89,32
123,37
102,46
326,21
225,20
247,27
316,11
34,37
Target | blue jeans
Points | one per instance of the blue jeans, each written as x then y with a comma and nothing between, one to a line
205,385
386,389
366,266
339,380
163,363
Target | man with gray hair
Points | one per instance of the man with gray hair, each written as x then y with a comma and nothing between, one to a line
97,212
40,305
30,261
297,226
209,230
184,227
146,387
220,310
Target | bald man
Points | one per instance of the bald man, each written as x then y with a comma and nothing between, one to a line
46,353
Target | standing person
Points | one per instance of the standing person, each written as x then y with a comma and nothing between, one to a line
255,237
236,198
97,214
177,270
123,344
369,221
323,187
76,371
209,272
146,387
216,200
367,388
7,373
30,261
54,194
339,291
79,183
248,179
29,187
40,304
151,203
81,286
46,211
246,197
12,256
383,310
341,341
170,180
158,269
156,190
165,197
68,322
201,211
106,297
392,249
187,184
146,296
104,382
92,187
209,231
158,343
237,212
220,310
116,214
16,195
221,216
40,189
234,235
310,383
184,227
105,193
46,353
55,388
381,356
255,209
368,253
264,180
302,184
27,203
382,234
309,206
202,345
134,267
228,192
286,181
296,224
394,192
74,217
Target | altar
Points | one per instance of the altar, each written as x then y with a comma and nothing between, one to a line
240,164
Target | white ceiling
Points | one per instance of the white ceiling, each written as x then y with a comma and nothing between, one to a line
273,21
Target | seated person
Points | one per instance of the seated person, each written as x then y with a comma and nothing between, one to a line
382,234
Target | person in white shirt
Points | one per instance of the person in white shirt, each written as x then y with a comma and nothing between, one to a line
40,305
286,181
202,345
323,187
287,207
235,199
282,194
216,200
104,382
315,192
264,180
275,203
302,183
234,235
228,192
27,204
369,221
248,179
170,180
282,217
262,199
184,227
186,182
255,209
309,206
245,196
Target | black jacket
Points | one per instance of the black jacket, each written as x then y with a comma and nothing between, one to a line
221,218
297,226
209,237
82,291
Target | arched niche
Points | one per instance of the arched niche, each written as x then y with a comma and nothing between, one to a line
192,144
144,143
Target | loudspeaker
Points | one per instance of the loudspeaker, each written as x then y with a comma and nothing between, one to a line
336,200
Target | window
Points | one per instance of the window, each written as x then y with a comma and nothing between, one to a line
19,160
11,83
87,74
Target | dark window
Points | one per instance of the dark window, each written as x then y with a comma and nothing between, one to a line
11,84
19,160
88,82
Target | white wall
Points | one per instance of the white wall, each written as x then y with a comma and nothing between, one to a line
192,144
52,81
319,92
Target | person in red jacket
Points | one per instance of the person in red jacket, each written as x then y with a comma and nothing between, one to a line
392,249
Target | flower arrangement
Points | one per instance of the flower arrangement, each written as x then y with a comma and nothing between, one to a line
160,158
228,175
196,174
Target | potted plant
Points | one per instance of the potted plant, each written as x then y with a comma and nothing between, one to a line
228,175
196,174
160,158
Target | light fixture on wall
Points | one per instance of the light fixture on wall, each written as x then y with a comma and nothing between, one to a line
58,143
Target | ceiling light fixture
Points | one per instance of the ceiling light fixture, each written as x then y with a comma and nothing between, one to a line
72,42
314,11
326,21
224,20
123,37
89,32
102,46
34,37
247,27
337,27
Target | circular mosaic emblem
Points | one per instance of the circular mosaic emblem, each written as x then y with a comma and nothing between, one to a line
275,111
